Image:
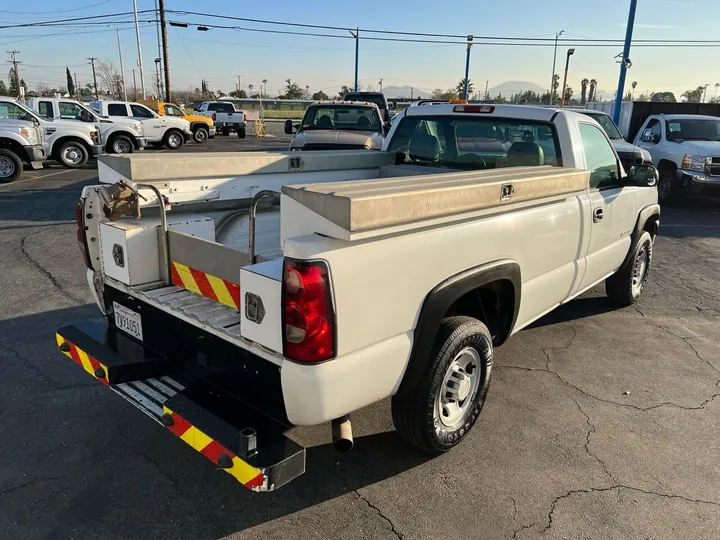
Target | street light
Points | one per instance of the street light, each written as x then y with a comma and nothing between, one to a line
570,52
552,76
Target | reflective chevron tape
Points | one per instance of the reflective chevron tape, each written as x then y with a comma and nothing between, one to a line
207,285
88,363
246,474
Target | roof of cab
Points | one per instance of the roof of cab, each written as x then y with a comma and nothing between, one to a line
685,116
506,111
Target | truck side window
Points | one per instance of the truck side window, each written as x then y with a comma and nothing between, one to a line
172,110
140,111
600,158
45,109
117,109
70,111
652,132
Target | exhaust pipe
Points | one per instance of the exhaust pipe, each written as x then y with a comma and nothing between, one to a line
342,436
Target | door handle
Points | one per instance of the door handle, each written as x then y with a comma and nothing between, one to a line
598,214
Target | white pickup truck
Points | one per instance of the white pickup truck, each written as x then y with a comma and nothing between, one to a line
230,318
225,117
166,131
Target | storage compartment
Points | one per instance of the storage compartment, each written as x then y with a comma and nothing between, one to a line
260,304
131,249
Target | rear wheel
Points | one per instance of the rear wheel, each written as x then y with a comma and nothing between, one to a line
200,135
173,140
443,407
11,166
241,132
667,186
626,285
72,154
121,145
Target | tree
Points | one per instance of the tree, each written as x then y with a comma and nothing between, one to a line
109,79
628,96
13,88
664,97
593,90
583,91
292,91
644,97
320,96
240,94
344,89
3,88
443,94
460,88
500,99
568,94
70,82
694,96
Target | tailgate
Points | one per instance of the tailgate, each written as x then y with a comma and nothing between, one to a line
199,402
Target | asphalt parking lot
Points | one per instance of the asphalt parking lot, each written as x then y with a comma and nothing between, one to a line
601,423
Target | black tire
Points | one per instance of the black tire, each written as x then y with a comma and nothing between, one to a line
668,188
11,166
72,154
201,135
626,285
416,414
120,144
225,132
241,132
173,139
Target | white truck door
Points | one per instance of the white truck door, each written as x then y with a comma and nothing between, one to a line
612,204
154,124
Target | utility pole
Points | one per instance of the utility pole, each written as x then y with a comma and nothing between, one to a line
570,52
92,62
487,96
137,37
467,67
412,89
157,27
356,35
166,64
624,62
134,85
238,83
77,88
552,77
122,70
381,85
14,62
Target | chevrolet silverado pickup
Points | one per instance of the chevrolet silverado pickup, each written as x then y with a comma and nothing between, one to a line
225,117
293,289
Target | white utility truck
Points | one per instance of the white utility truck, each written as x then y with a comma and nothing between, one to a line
225,117
230,317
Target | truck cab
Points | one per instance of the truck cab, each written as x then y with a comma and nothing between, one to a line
201,126
160,130
338,125
21,140
119,136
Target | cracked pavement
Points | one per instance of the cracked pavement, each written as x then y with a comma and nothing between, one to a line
601,423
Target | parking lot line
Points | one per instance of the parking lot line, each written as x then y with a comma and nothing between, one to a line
34,178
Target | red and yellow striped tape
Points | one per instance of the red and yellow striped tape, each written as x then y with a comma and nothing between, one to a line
87,362
206,285
246,474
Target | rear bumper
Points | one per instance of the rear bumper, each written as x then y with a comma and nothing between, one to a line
192,403
230,125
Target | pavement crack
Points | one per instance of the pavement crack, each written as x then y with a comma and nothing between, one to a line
697,353
157,466
547,350
515,508
591,430
521,529
27,362
40,268
28,484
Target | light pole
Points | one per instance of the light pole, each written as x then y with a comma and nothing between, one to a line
467,67
137,37
122,71
570,52
552,77
625,61
356,35
158,79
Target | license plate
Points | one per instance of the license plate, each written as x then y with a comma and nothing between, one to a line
128,321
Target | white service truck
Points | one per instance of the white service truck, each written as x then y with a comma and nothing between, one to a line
21,142
225,117
119,136
166,131
230,317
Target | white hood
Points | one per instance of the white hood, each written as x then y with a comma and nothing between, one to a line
702,148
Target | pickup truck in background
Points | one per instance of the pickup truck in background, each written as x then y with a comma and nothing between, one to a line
202,127
21,141
292,289
338,125
686,150
119,136
68,142
165,131
225,117
630,154
378,98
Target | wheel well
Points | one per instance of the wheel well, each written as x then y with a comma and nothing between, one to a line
14,147
666,164
196,125
62,140
115,134
493,304
651,225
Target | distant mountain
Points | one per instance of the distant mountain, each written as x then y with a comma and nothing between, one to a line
404,92
512,87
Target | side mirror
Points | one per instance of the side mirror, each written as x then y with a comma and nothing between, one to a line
289,128
643,176
86,116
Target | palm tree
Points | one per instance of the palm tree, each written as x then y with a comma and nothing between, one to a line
632,94
583,91
460,88
593,89
265,91
717,85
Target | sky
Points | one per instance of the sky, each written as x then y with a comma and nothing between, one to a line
220,55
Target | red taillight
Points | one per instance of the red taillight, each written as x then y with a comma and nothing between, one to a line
244,117
487,109
80,233
214,117
308,316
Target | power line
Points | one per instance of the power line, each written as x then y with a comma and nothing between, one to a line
73,19
50,12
